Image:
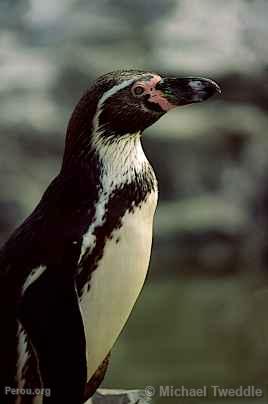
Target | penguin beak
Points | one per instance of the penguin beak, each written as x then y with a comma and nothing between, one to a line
183,91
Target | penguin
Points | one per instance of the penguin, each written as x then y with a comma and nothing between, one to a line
72,271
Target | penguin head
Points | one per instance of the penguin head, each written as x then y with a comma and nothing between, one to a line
130,101
123,103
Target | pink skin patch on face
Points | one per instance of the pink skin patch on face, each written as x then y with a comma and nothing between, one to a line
155,96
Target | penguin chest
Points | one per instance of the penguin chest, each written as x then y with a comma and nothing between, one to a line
117,281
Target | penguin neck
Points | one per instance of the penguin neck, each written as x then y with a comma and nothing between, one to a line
108,161
121,159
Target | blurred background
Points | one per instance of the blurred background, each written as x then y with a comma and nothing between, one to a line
202,317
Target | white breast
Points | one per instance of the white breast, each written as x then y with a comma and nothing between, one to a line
117,282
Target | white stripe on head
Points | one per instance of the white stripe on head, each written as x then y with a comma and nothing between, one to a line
114,90
105,97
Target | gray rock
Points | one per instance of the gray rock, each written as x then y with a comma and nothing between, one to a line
109,396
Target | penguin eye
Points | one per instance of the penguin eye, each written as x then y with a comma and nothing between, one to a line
139,90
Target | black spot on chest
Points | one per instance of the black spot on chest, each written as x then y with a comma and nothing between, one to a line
126,198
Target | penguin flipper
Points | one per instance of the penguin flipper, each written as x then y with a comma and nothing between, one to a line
50,314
